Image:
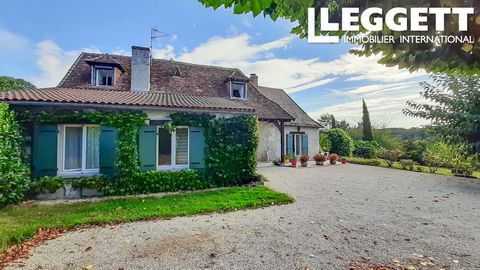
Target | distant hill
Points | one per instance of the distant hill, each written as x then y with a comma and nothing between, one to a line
405,134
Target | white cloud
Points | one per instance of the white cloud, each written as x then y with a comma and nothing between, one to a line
309,85
54,62
166,53
11,41
246,22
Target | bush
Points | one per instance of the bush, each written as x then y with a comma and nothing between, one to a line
415,150
90,182
366,149
342,144
362,161
390,156
14,174
407,164
46,184
325,143
158,181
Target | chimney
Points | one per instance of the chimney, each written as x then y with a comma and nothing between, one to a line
254,78
140,77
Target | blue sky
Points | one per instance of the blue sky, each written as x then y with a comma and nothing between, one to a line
40,39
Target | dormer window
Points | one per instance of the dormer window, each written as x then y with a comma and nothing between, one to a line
103,76
238,90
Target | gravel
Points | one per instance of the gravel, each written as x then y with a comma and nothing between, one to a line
342,214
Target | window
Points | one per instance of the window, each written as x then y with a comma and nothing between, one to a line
79,149
239,90
103,76
172,148
298,144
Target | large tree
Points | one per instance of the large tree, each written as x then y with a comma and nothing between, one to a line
447,57
366,124
453,107
10,84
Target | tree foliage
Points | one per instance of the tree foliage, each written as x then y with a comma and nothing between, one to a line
367,125
446,57
11,84
341,143
453,107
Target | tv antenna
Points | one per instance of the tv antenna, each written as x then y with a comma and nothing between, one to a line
154,34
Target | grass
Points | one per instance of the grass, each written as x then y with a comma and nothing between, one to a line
397,165
19,223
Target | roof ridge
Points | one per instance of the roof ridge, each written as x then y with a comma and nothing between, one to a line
71,69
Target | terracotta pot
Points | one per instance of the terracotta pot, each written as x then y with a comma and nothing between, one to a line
319,163
304,164
294,163
344,161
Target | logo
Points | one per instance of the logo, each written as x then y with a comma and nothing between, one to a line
396,19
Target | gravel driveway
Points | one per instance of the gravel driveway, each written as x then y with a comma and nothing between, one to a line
343,214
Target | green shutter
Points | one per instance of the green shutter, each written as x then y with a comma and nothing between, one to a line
44,150
108,138
147,148
197,148
305,144
289,144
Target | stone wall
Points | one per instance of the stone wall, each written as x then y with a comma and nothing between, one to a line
270,140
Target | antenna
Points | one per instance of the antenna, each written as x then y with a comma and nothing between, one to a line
154,34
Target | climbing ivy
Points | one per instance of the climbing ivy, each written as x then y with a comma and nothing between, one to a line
127,123
230,146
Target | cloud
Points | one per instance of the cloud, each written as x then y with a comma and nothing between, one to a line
11,41
54,62
166,53
309,85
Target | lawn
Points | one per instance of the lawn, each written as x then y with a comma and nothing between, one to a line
19,223
397,165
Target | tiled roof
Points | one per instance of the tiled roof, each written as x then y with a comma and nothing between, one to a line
179,78
111,97
286,102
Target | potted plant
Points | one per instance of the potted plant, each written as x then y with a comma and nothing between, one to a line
320,159
344,160
293,159
304,160
333,159
286,159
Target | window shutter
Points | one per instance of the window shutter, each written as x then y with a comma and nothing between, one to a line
147,148
305,144
289,144
197,148
44,150
108,138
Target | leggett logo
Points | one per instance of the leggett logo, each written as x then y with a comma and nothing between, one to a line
396,19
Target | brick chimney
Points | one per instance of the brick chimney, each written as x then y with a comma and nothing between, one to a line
140,79
254,78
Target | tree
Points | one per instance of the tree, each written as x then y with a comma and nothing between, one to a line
10,84
326,120
14,174
453,107
341,143
343,124
334,122
367,125
446,57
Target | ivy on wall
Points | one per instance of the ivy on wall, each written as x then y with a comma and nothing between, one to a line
127,123
230,146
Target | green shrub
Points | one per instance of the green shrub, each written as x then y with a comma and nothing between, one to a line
407,164
390,156
90,182
46,184
342,144
325,143
363,161
157,181
366,149
415,150
14,174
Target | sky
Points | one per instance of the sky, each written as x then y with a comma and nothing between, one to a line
39,40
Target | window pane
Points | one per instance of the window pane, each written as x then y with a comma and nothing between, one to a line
105,77
164,147
73,148
182,146
93,148
238,90
298,145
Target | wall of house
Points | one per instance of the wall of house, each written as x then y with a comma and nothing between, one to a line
313,138
269,139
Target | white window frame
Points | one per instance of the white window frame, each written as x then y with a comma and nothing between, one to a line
94,76
173,157
244,90
61,153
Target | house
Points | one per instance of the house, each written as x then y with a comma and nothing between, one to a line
157,87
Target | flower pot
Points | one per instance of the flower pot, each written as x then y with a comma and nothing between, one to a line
333,162
286,161
294,163
344,161
304,164
319,163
